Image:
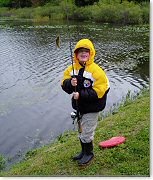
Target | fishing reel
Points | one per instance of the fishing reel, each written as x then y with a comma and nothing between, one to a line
74,116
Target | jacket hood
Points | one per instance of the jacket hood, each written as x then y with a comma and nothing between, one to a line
85,43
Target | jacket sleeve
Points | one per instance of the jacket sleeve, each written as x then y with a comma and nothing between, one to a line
67,87
66,82
101,84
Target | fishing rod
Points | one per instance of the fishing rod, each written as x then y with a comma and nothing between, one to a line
70,43
74,115
78,117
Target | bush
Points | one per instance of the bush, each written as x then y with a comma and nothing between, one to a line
85,2
126,13
3,11
107,11
52,12
82,13
5,3
2,162
26,13
145,12
113,12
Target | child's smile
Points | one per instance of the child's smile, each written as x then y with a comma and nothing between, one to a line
83,55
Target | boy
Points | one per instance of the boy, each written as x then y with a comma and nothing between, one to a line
89,86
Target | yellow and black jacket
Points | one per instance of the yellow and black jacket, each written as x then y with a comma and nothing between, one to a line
93,84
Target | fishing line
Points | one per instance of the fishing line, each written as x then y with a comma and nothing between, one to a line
69,37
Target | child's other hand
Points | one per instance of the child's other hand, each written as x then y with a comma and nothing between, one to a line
76,95
74,81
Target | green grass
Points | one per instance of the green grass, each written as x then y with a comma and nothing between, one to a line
2,162
131,158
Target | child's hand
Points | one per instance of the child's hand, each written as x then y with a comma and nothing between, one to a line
74,81
76,95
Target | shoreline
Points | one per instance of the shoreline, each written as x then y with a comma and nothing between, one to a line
41,159
126,13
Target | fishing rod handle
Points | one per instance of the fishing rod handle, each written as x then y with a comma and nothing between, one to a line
79,127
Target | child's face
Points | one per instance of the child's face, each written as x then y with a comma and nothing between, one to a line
83,55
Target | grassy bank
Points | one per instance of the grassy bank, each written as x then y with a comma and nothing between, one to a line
104,11
129,159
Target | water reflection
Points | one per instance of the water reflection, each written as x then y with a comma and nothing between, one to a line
33,108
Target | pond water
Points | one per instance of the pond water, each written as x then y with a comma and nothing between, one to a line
33,108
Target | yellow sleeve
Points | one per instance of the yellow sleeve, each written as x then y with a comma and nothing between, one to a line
101,83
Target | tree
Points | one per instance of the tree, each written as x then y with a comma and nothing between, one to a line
139,1
26,3
136,1
38,2
5,3
20,3
85,2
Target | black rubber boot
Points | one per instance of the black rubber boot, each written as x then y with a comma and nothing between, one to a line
78,157
88,154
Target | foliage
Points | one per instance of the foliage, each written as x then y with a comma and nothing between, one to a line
2,162
48,11
81,14
5,3
29,3
21,3
38,2
113,12
54,2
141,1
85,2
145,12
105,11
